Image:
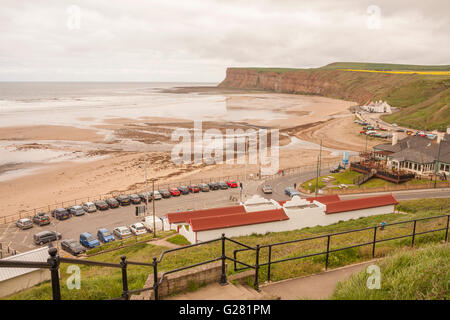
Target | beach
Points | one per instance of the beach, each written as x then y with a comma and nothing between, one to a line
94,144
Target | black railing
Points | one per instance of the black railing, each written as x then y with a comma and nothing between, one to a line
54,261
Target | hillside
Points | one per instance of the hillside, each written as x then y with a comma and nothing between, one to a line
408,275
422,98
384,66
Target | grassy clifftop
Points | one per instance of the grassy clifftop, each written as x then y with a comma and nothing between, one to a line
420,92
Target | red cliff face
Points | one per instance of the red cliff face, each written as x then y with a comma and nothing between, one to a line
354,86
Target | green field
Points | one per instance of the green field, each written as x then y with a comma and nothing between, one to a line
421,274
385,66
103,283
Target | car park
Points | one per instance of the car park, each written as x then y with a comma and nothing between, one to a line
156,195
122,232
203,187
124,200
72,246
183,189
61,214
112,203
135,199
164,193
46,236
223,185
213,186
101,205
105,236
194,188
232,184
41,219
89,207
145,195
267,189
174,192
77,211
138,229
87,240
24,223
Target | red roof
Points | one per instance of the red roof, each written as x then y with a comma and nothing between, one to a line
360,203
325,199
239,219
185,216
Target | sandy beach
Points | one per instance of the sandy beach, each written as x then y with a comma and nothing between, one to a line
107,156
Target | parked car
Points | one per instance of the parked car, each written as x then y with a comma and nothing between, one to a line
89,207
138,229
61,214
174,192
290,191
203,187
223,185
267,189
41,219
122,232
156,195
101,205
232,184
144,196
124,200
164,193
24,223
135,199
88,240
76,211
213,186
72,246
46,236
112,203
194,188
105,236
183,189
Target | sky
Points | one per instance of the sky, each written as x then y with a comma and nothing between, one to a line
196,40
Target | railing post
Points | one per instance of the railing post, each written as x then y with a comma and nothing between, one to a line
414,234
270,261
374,241
54,270
328,249
256,284
235,258
155,279
446,230
223,277
123,264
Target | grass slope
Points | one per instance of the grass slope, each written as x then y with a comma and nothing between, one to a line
408,275
103,283
385,66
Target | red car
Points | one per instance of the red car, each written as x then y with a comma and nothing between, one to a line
232,184
174,192
194,188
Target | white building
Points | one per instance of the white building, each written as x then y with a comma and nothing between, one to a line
378,107
259,215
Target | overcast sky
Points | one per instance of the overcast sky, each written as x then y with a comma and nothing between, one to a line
196,40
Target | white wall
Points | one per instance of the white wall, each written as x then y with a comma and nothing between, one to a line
298,219
188,234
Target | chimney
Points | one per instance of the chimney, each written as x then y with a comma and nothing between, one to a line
394,138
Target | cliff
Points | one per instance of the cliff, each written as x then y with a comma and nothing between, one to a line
399,90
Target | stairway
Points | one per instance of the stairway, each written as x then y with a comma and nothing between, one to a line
360,180
230,291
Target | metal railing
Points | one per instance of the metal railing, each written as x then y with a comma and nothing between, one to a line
54,261
328,237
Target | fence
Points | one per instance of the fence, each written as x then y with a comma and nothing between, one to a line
6,251
53,263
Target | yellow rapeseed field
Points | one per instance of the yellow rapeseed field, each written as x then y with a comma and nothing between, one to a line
437,73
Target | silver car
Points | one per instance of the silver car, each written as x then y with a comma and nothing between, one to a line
267,189
89,207
122,232
24,223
